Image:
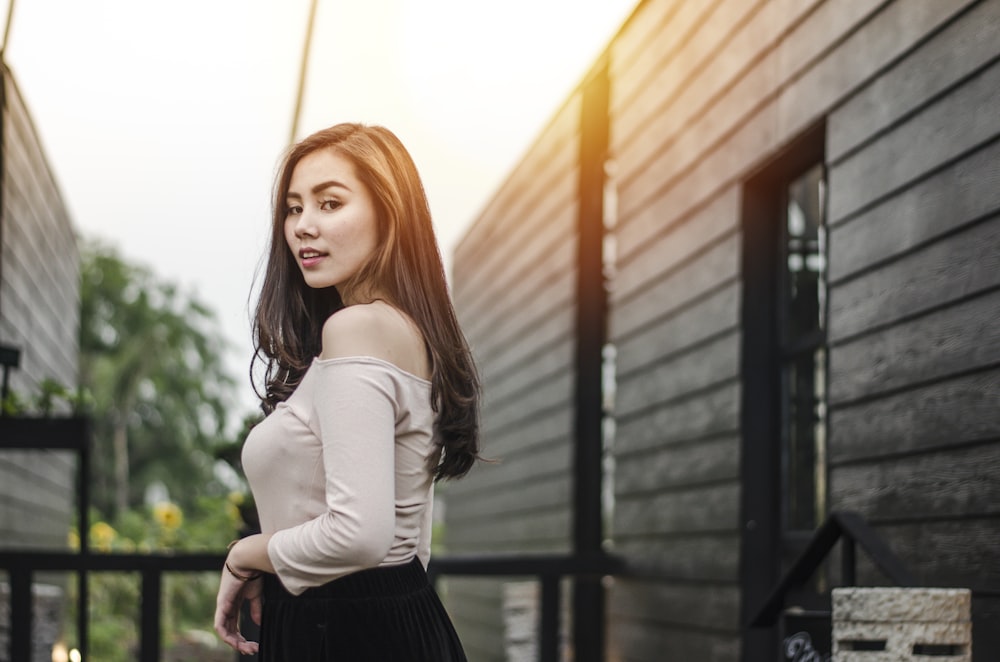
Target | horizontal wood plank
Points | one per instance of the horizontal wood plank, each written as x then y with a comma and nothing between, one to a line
700,274
947,341
708,413
713,508
546,364
713,607
676,241
637,641
526,532
958,266
943,130
691,67
957,50
550,429
552,493
512,470
956,483
942,553
966,190
709,558
711,363
547,243
543,400
649,22
676,466
716,312
521,313
873,37
957,411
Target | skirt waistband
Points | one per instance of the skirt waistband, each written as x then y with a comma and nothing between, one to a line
384,581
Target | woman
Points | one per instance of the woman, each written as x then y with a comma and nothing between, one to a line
371,395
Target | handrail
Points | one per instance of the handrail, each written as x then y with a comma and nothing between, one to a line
853,529
549,569
73,434
22,564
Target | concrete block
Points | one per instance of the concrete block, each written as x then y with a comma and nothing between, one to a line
902,624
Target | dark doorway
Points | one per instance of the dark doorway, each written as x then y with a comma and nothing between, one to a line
784,376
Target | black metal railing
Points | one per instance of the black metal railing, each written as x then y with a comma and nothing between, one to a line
22,566
72,434
548,569
851,530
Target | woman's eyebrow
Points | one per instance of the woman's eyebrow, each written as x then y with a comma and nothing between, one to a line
319,188
329,184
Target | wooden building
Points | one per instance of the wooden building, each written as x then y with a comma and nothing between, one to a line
39,316
776,224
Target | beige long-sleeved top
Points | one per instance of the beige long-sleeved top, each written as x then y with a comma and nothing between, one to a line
342,471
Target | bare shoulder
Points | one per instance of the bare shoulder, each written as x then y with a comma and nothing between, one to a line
377,330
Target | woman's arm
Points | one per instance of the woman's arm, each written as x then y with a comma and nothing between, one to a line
240,582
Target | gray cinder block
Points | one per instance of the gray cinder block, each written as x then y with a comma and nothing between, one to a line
902,624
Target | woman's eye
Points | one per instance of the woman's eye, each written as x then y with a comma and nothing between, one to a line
329,205
293,210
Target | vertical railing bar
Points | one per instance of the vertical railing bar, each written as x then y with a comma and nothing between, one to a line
848,561
21,613
149,637
83,517
548,649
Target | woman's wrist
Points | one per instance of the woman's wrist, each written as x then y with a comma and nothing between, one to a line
248,558
240,576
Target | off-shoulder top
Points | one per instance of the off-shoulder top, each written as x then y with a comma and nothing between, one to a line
341,471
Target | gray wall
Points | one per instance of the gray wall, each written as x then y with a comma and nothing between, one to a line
703,94
915,313
39,314
513,288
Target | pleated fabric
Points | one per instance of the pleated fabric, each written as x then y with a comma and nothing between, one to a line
389,614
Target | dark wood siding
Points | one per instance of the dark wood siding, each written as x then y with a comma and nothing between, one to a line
915,311
704,95
514,284
39,314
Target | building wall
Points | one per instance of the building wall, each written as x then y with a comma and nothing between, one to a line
915,340
704,95
513,288
39,314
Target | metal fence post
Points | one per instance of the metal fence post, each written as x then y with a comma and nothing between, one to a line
149,638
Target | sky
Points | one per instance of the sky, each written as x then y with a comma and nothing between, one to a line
164,122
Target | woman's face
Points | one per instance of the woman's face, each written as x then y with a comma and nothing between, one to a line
331,224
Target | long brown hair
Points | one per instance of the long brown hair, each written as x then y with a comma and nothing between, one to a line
405,268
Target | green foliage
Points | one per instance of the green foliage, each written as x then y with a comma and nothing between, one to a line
152,379
188,599
44,403
152,360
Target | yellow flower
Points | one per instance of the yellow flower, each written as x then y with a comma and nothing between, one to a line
233,513
73,539
168,515
102,536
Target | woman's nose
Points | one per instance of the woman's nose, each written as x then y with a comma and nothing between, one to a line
304,227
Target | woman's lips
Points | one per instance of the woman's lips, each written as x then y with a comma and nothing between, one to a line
310,257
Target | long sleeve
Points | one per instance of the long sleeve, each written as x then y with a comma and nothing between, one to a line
354,415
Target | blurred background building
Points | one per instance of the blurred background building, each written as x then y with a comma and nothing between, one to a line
39,317
745,277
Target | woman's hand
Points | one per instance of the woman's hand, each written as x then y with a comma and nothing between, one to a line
232,594
240,583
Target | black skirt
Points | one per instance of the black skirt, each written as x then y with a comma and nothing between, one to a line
389,614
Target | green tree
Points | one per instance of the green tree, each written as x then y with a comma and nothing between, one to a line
153,361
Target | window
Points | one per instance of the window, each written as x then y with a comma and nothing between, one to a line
802,310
